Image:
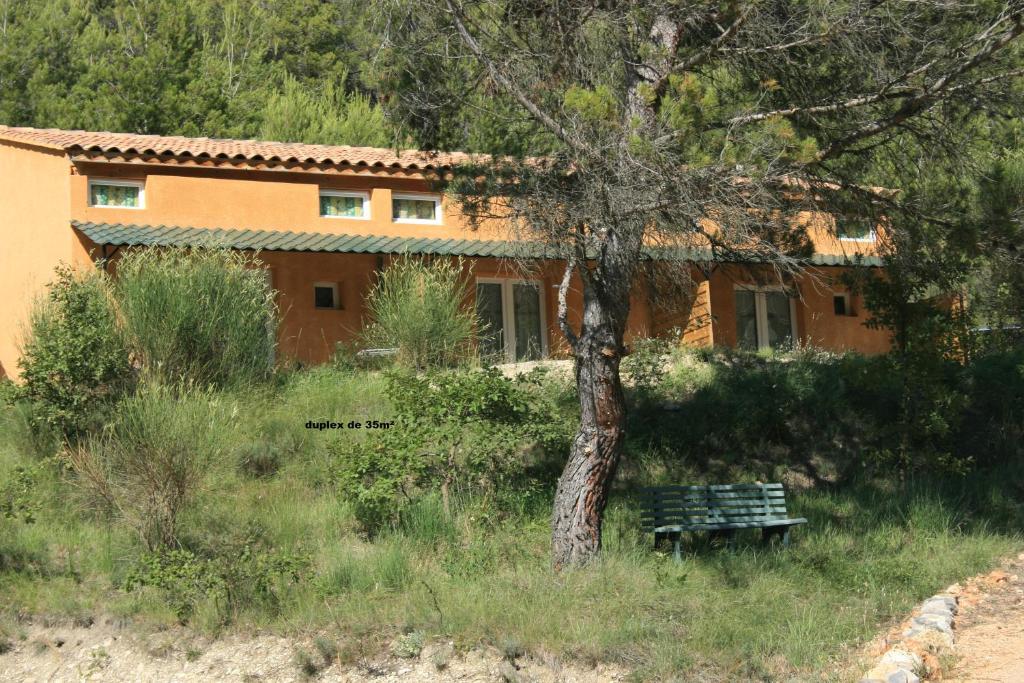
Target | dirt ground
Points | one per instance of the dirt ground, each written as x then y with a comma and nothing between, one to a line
990,628
109,652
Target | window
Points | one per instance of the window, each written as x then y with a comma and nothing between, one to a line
842,304
118,194
416,208
511,314
765,318
325,295
335,204
857,229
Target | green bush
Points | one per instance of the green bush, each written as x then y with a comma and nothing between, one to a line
235,580
202,315
153,458
469,432
420,309
74,362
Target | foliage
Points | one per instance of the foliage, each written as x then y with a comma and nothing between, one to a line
467,432
482,573
196,67
202,315
154,457
330,116
245,578
831,416
19,498
74,362
647,363
420,308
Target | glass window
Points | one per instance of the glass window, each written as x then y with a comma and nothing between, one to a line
855,229
764,319
491,312
511,316
344,205
415,209
780,325
746,319
325,295
526,307
115,194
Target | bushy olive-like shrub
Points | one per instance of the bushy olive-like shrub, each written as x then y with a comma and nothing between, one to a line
74,362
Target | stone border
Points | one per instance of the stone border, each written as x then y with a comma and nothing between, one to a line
928,635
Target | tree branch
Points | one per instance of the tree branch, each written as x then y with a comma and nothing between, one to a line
511,88
563,307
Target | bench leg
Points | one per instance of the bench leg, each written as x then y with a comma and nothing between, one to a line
677,554
785,538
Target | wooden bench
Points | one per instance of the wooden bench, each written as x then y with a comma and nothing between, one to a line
669,511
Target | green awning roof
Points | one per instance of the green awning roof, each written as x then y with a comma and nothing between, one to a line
118,234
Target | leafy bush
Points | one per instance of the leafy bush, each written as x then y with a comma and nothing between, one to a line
154,457
202,315
420,309
74,362
469,431
239,579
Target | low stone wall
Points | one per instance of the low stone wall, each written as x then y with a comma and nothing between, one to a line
928,634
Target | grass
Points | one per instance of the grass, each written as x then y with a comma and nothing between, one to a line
873,548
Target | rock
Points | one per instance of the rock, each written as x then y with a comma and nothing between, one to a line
903,659
888,673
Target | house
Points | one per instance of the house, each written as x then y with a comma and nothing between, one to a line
326,219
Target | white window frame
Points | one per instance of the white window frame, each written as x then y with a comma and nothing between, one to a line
761,311
422,197
117,183
365,196
508,319
327,285
872,235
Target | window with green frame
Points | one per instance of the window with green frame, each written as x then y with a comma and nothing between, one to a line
344,204
115,194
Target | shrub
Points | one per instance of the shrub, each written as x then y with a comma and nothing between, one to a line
468,431
74,362
234,580
205,315
420,309
153,458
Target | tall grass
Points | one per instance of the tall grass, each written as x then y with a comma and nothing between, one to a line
420,309
151,460
203,314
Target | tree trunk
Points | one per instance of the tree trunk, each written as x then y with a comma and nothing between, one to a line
582,492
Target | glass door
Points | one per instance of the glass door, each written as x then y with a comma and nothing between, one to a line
490,310
764,319
511,314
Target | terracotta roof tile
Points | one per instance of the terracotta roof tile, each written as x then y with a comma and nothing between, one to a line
75,141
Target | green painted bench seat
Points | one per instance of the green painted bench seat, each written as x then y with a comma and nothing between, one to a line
669,511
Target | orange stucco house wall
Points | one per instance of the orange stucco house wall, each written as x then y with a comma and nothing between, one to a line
199,184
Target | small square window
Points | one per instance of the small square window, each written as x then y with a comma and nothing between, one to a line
117,194
416,208
843,304
335,204
325,295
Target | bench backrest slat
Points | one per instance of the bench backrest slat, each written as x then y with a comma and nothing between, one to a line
709,505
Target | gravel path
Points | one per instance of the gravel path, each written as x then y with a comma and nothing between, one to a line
990,629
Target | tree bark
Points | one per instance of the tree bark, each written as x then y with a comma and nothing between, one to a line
582,492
